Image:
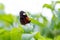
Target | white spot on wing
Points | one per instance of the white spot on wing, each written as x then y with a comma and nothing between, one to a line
24,14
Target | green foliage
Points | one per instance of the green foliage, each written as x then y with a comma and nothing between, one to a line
57,38
36,22
48,6
48,30
7,18
39,37
1,6
16,34
57,2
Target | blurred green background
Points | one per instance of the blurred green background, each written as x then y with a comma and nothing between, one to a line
11,29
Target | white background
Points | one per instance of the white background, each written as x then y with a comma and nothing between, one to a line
33,6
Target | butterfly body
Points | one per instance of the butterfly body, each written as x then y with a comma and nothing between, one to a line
24,19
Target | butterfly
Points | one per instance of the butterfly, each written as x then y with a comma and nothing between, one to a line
24,19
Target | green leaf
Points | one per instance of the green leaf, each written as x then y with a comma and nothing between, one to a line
4,35
53,22
48,6
45,21
7,18
16,34
57,37
1,6
37,35
57,2
36,22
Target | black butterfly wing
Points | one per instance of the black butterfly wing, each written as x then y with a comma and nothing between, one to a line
22,21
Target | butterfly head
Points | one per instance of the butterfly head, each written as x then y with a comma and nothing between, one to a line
22,13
